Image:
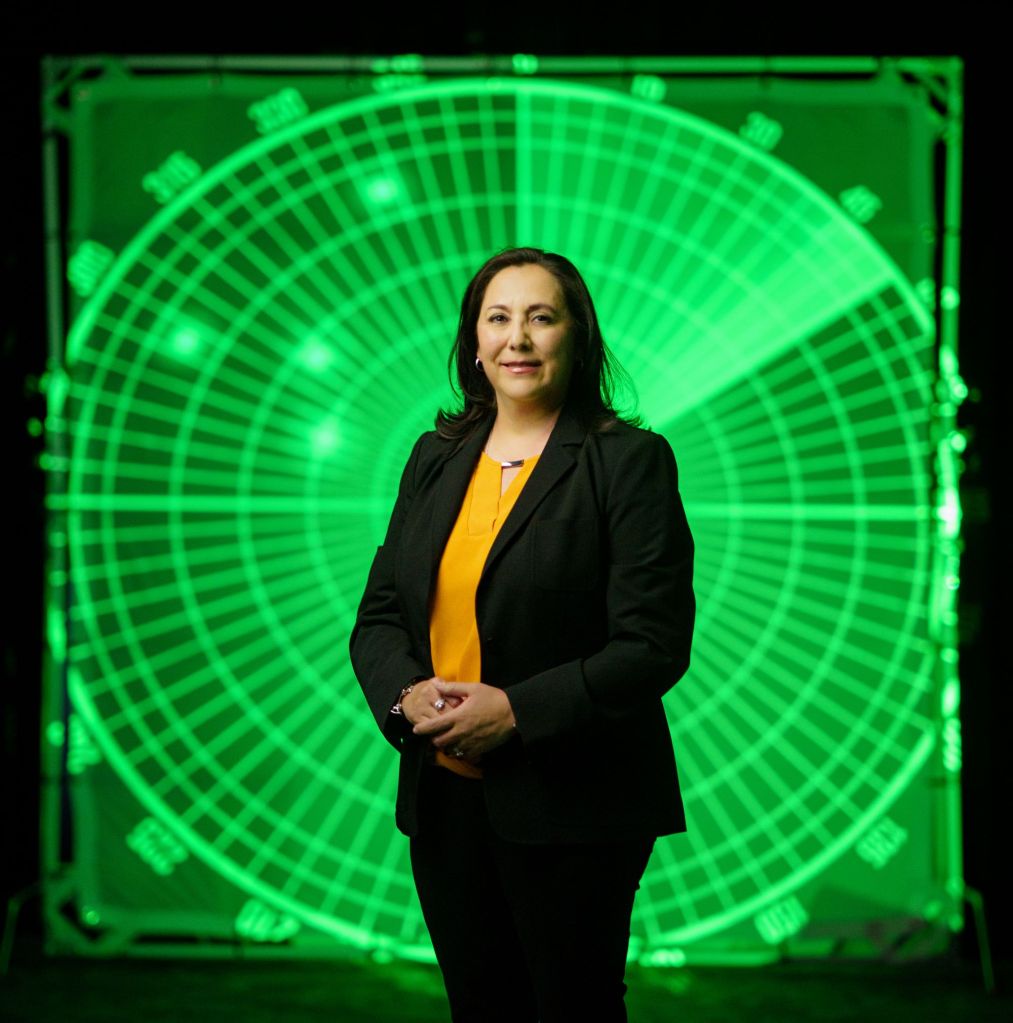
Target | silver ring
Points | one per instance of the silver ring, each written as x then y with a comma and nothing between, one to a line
440,704
457,752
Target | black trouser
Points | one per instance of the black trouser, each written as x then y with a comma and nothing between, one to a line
521,932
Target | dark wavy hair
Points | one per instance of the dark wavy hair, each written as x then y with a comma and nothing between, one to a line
596,371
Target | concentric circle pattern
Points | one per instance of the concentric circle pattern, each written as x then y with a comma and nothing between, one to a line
249,378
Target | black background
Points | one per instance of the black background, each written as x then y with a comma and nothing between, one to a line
29,31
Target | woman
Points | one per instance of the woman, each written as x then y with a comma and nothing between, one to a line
530,605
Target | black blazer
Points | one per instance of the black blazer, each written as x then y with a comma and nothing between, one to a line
585,613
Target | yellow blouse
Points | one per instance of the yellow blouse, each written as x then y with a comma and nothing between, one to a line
453,628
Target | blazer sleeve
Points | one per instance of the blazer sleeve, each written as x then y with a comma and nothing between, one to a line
649,606
380,646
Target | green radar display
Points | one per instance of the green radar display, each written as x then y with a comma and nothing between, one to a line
258,333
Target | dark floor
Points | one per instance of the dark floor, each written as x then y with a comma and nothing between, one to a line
268,991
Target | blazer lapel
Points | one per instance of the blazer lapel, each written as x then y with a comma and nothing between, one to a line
557,459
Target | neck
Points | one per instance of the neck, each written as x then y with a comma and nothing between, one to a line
520,431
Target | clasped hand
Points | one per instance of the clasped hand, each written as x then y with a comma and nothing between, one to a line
472,718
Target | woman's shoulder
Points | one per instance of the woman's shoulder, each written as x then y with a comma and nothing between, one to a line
429,449
619,439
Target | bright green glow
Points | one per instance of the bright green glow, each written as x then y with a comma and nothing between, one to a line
316,355
186,342
226,495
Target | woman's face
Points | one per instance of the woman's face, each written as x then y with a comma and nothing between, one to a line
525,337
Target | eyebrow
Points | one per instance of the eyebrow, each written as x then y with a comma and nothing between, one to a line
537,305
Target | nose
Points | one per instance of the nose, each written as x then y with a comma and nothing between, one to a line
519,336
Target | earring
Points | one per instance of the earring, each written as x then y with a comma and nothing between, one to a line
478,363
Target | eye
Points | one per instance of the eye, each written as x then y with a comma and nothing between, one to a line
496,317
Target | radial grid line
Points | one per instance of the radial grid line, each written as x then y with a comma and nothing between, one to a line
182,389
146,565
838,565
909,542
270,607
301,263
224,373
318,231
757,439
156,529
351,855
821,492
804,658
493,126
120,434
871,603
457,149
153,752
255,802
731,776
791,714
340,882
593,128
281,777
787,448
793,387
683,181
727,828
696,393
348,224
232,695
283,277
384,237
891,327
137,471
717,888
860,654
661,168
762,231
376,896
327,829
768,545
172,384
224,606
618,186
424,252
820,512
215,267
328,192
196,681
875,697
694,889
523,169
166,445
666,872
805,412
770,462
704,390
231,504
554,174
731,770
744,217
422,125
